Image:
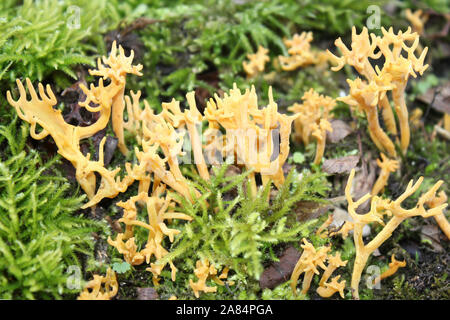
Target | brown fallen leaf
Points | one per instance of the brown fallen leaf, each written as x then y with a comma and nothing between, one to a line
281,271
340,130
431,233
438,98
147,294
340,165
307,210
363,183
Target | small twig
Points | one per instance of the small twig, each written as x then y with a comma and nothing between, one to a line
442,132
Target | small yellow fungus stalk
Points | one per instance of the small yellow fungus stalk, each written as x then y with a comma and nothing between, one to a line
378,209
393,267
308,263
328,289
447,122
417,19
320,133
334,262
313,120
93,290
441,220
387,166
257,62
189,118
366,96
158,212
203,271
398,69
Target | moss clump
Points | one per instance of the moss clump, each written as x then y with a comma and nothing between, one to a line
41,236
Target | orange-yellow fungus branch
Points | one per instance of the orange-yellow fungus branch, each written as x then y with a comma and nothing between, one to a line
387,166
393,267
39,110
441,220
312,120
256,63
392,77
94,290
378,209
158,211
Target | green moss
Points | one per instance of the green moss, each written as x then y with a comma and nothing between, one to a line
41,235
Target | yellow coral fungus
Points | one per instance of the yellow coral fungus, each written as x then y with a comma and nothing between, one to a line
252,134
319,131
308,263
417,19
158,212
191,118
203,270
333,262
447,122
115,68
441,220
387,166
358,57
39,110
159,135
366,96
320,232
392,77
327,289
299,49
393,267
378,209
399,68
257,62
312,120
93,290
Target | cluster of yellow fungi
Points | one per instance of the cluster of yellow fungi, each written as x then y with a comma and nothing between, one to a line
379,209
40,111
371,94
300,53
256,63
255,138
159,211
204,271
250,132
308,264
313,120
100,288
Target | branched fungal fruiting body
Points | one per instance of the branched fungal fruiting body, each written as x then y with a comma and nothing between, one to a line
158,212
40,111
393,267
441,220
94,290
313,120
371,94
256,63
203,271
250,133
387,166
378,209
